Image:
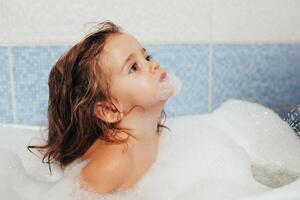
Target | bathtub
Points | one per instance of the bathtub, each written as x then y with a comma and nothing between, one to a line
242,135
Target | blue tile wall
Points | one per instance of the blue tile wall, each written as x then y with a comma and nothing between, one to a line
6,114
264,73
31,67
190,64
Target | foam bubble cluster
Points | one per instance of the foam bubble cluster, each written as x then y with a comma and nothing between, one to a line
240,151
171,85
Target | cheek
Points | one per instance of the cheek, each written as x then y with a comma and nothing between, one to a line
143,90
146,87
137,91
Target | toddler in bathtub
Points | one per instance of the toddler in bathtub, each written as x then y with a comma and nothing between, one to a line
106,105
106,101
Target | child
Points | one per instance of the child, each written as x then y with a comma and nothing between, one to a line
106,100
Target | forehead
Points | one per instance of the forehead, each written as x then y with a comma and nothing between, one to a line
117,48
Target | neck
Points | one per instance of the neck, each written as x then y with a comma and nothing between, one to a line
142,122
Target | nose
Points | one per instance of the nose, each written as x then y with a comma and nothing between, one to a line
154,66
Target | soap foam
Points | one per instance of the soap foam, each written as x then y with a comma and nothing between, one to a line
171,85
222,155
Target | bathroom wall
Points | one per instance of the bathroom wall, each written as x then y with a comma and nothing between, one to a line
221,49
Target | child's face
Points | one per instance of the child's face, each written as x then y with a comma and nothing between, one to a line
134,81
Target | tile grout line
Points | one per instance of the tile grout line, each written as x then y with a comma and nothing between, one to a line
171,42
12,84
209,84
210,77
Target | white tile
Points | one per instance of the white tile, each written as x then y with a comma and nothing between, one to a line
256,20
63,21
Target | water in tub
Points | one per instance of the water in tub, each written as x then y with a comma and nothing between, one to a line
241,151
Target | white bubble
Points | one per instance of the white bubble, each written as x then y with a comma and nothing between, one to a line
221,155
171,85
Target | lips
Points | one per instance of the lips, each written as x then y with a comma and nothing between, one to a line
162,76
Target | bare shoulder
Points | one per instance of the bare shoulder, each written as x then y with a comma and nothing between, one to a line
107,170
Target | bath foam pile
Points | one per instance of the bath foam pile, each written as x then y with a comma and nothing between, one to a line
171,85
241,151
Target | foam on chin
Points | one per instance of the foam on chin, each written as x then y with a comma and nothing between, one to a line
171,85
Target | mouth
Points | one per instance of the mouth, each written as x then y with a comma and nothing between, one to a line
163,76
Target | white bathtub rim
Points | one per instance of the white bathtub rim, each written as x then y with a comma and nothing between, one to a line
22,126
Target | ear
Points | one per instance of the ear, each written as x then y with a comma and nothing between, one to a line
107,112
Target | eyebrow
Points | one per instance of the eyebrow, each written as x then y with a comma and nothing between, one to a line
143,50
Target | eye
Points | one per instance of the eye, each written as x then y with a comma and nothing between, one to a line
134,67
149,57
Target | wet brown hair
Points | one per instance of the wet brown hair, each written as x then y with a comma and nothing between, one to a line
76,82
